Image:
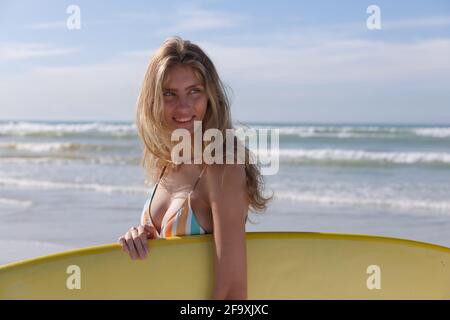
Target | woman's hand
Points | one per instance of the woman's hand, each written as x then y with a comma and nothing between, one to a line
134,242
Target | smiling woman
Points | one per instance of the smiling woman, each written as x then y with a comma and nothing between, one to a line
184,98
182,86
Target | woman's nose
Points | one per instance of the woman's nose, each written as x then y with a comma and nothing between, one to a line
183,102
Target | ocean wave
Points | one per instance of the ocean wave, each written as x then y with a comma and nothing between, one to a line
433,132
15,202
69,160
342,132
352,156
347,199
287,156
24,128
357,131
124,129
40,147
44,184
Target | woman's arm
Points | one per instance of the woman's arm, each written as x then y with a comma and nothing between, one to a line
229,204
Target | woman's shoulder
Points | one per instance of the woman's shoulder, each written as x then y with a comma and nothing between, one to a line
230,177
229,171
228,193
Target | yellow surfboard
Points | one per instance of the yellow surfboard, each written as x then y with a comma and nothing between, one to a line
281,265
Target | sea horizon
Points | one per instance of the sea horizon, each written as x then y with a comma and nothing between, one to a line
381,123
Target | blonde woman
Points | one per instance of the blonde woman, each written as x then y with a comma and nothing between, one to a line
181,86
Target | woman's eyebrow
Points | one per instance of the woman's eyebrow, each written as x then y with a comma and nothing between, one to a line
188,87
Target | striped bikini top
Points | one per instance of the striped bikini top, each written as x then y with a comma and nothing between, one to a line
183,222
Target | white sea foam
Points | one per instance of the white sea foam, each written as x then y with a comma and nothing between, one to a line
66,160
15,202
299,155
292,156
331,131
344,132
40,147
433,132
353,199
43,184
24,128
339,132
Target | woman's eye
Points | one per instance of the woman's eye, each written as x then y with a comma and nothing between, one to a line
195,90
167,94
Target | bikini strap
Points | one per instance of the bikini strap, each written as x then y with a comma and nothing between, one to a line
153,194
162,172
156,186
198,178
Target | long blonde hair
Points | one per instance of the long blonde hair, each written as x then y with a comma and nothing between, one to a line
150,123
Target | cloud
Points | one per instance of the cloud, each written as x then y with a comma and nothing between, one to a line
192,19
48,25
416,23
333,61
348,72
185,18
307,71
200,19
21,51
139,54
106,90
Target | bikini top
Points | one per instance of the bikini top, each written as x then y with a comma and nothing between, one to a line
183,222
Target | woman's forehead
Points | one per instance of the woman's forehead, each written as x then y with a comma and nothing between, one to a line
179,76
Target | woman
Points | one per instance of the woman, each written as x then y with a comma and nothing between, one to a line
181,86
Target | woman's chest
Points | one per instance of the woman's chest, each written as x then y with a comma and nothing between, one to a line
168,202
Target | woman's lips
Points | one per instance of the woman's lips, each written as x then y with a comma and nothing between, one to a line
183,120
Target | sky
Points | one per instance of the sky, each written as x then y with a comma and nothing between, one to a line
282,61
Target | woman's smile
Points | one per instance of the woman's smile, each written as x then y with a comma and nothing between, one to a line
183,120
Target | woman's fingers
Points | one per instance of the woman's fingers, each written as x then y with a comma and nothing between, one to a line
141,252
143,236
134,242
124,244
131,246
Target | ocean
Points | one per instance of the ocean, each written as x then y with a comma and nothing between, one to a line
66,185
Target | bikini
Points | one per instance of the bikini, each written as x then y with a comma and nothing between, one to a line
183,222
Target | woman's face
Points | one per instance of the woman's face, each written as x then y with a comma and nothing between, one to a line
184,98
